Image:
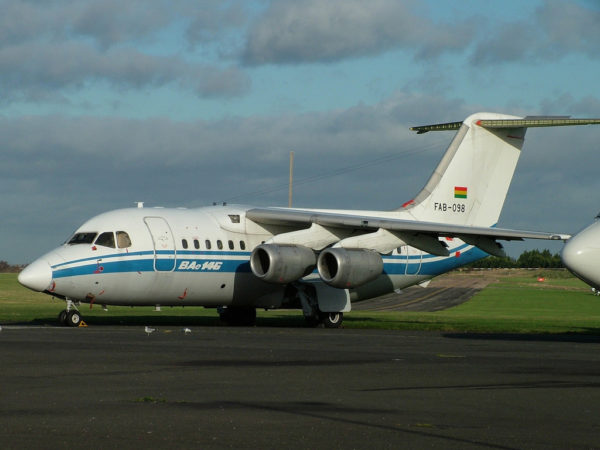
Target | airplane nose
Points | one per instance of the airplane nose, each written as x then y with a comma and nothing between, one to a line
37,276
581,254
570,256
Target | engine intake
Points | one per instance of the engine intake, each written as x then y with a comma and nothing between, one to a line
347,269
282,264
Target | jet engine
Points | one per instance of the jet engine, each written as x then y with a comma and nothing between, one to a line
345,269
282,264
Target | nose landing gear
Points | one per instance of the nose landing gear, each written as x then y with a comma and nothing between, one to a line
71,316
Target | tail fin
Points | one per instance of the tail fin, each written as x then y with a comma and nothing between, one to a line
470,183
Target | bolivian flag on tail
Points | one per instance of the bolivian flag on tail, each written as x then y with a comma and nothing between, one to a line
460,192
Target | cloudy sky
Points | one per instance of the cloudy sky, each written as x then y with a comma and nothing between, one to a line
185,102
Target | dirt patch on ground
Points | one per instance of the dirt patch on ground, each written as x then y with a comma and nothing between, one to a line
443,292
472,279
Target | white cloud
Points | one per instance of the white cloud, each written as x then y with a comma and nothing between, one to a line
556,29
49,49
316,31
36,71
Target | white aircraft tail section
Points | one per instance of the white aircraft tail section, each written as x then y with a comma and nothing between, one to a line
469,185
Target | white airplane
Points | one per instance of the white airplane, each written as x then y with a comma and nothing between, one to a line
237,258
581,254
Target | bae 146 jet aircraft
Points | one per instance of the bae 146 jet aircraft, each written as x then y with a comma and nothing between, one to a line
238,258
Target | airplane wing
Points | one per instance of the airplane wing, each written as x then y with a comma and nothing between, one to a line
422,235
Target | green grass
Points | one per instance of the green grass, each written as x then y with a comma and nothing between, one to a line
515,304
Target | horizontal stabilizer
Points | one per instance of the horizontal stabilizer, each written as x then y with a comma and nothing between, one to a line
532,122
526,122
437,127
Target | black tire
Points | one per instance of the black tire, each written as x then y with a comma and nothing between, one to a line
73,318
332,319
62,318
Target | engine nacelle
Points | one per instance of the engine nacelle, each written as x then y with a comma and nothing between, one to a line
282,264
346,269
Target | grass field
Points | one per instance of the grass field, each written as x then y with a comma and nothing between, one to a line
514,304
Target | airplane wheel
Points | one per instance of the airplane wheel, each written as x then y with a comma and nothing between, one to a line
332,319
73,318
62,318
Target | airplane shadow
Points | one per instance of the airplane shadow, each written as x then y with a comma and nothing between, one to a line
586,335
171,320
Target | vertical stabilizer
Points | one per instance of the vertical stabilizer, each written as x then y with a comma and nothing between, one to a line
469,185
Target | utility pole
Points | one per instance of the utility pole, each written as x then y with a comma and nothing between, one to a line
291,179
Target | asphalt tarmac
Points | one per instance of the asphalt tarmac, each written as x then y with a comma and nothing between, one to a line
220,387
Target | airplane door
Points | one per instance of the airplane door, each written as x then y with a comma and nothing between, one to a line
413,260
164,244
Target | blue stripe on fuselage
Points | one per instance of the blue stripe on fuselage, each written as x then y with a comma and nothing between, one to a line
130,263
428,267
213,262
135,265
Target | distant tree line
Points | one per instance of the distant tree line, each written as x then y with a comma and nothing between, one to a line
8,268
527,260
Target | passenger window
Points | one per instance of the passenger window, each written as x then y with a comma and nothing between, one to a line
184,243
219,245
230,243
242,245
207,243
196,244
123,240
106,239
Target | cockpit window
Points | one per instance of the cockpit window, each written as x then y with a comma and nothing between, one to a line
123,240
106,239
82,238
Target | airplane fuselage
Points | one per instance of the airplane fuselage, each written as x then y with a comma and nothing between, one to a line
179,257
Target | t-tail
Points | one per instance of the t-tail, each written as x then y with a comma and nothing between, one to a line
469,185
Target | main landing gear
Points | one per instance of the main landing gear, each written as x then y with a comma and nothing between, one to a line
327,319
70,317
313,316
